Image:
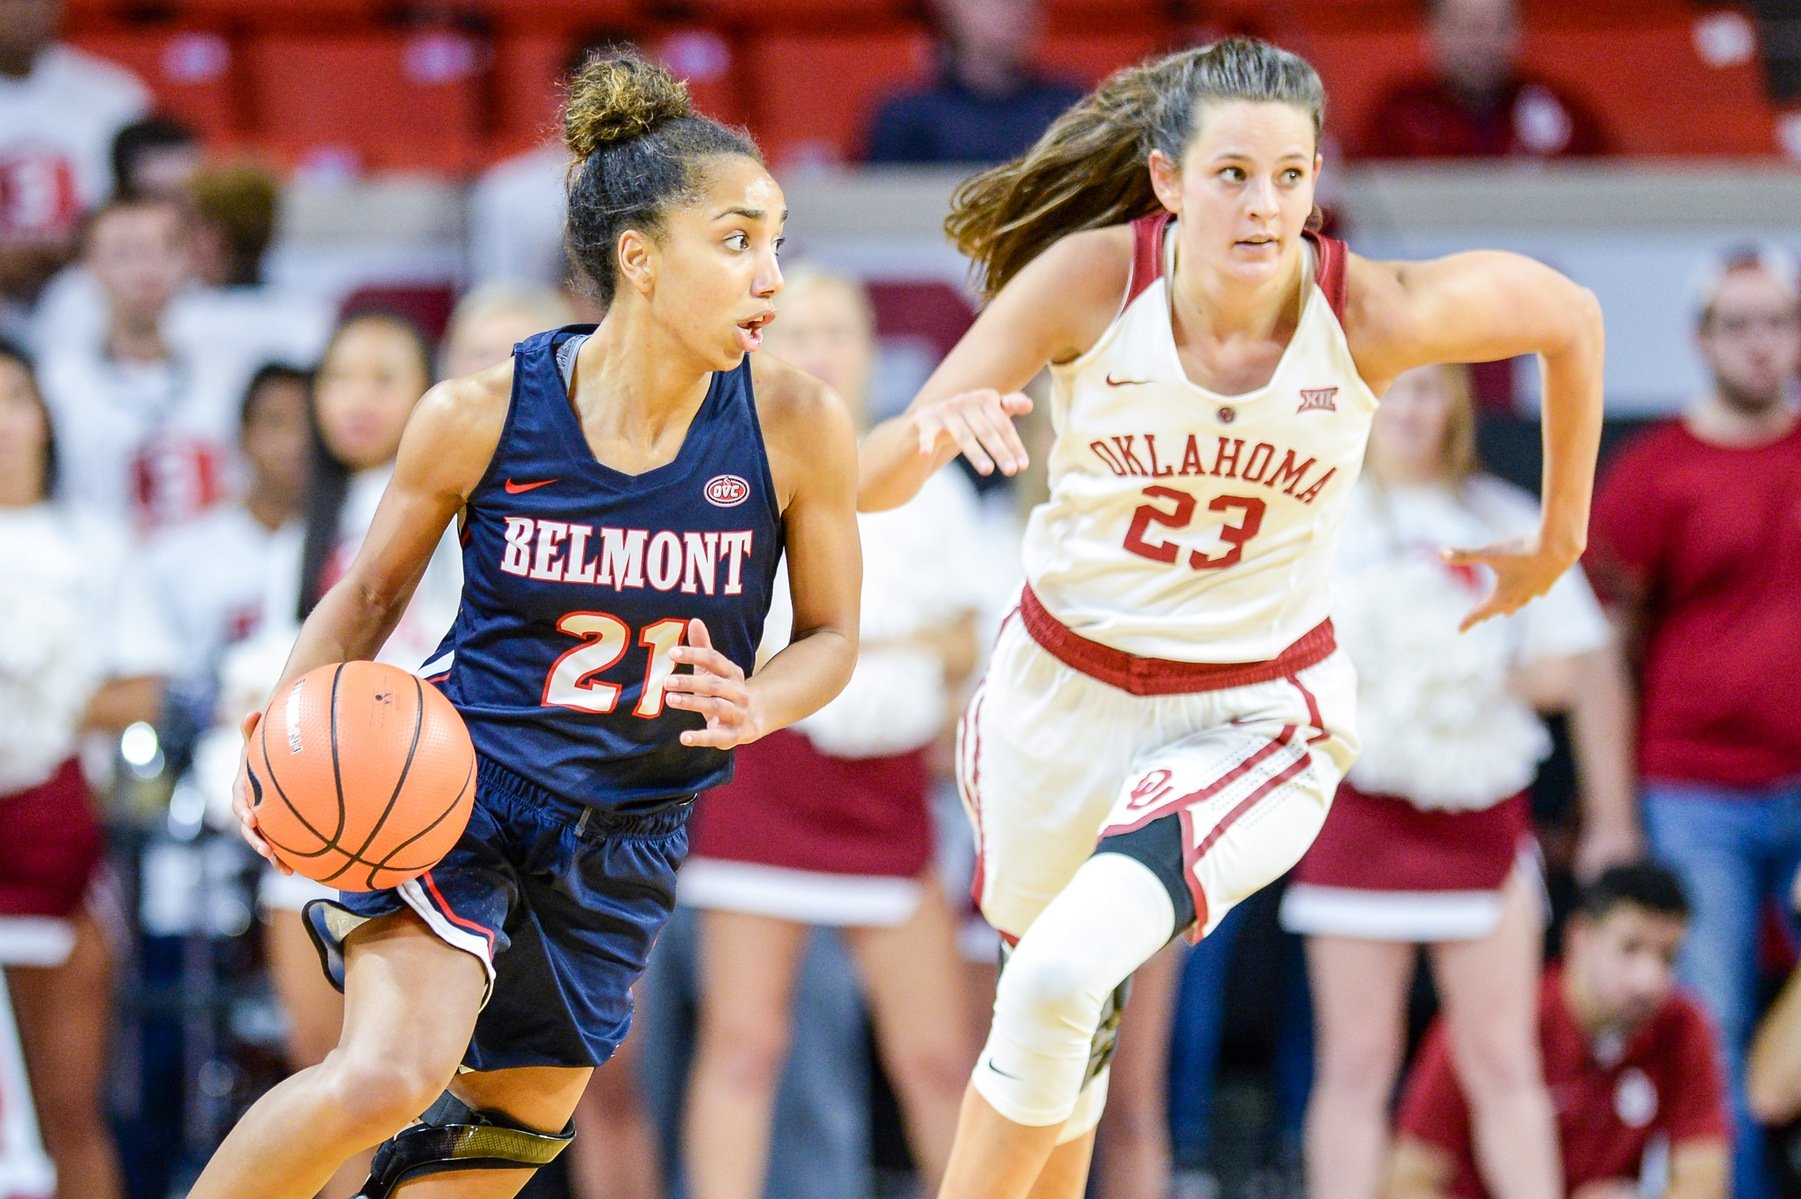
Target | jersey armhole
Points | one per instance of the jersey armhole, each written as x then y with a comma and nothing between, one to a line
1148,237
1331,275
520,352
1147,255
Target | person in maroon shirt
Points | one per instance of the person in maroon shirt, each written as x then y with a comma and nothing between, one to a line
1477,102
1630,1062
1696,543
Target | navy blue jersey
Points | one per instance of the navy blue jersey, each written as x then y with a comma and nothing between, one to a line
579,579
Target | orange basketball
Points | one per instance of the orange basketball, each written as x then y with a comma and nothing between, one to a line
361,775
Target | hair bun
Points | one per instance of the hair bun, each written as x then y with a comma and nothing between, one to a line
619,96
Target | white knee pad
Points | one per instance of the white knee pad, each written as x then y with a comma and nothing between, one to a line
1107,922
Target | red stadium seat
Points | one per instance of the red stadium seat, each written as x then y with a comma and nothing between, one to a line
369,100
193,73
427,305
1090,58
1357,68
295,16
557,17
527,82
709,62
928,309
1652,86
1647,80
812,96
526,87
805,16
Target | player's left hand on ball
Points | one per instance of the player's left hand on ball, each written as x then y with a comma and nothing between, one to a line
716,689
1523,568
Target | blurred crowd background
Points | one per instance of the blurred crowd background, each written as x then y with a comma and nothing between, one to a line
238,238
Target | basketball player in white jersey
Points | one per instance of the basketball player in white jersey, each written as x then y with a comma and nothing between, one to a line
1169,689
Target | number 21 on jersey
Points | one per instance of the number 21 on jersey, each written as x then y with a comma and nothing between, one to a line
605,638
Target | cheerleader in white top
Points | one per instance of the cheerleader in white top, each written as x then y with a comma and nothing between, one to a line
1167,715
1429,840
84,652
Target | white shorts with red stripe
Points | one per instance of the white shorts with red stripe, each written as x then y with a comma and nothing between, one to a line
1066,741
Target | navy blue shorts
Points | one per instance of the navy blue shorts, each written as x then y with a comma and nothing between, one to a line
560,901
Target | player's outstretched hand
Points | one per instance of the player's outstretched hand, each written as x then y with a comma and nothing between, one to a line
241,806
716,689
1524,570
980,425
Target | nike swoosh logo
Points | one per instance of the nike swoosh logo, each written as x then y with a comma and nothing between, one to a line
1112,382
516,488
1003,1073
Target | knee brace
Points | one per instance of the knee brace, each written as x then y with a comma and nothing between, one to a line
1056,1014
1106,1033
451,1135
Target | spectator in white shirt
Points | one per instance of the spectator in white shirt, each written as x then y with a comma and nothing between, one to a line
59,110
149,422
212,572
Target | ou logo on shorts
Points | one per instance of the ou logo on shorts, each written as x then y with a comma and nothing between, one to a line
1149,790
727,491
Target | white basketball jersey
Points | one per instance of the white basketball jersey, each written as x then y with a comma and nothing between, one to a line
1188,525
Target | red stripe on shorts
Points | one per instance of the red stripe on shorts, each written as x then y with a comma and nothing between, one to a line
1313,716
973,723
1245,765
1193,873
443,905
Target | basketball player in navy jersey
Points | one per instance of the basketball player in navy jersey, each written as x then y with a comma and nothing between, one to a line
625,494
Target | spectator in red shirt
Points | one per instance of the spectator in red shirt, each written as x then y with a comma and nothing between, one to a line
1630,1062
1477,102
1696,541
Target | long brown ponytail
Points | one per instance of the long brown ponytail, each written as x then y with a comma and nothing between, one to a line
1088,169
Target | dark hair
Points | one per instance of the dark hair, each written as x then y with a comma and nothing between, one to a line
15,353
140,137
1088,169
1645,885
269,372
636,147
242,203
328,476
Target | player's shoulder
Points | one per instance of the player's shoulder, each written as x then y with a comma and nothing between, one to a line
1685,1019
807,429
1658,439
1375,291
1090,266
98,79
473,400
789,400
457,424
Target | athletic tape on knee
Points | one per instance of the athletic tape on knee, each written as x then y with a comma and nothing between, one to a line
451,1135
1108,921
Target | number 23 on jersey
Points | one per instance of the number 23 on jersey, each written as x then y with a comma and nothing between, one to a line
1172,508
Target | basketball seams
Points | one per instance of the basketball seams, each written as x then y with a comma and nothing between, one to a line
269,768
432,739
387,859
399,783
337,772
